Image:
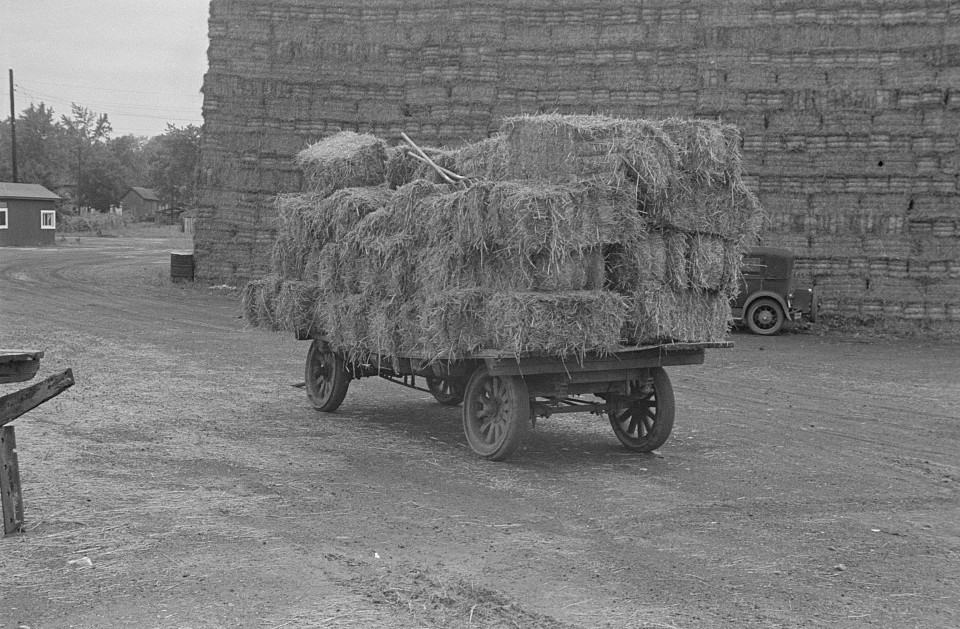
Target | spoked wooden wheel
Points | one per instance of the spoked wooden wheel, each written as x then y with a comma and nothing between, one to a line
327,377
765,317
496,414
447,392
645,424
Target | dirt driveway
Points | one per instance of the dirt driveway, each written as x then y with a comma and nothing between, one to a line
811,481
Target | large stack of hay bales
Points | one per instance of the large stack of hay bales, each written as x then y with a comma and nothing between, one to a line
568,235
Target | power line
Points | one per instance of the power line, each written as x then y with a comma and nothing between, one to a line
51,97
108,89
107,106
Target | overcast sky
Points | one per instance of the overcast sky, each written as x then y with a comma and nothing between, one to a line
141,62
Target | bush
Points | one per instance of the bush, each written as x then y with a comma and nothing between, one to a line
94,224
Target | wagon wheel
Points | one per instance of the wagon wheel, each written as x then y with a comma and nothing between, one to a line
496,414
327,377
447,392
765,317
645,424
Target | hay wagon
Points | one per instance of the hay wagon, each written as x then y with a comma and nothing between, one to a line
564,248
503,395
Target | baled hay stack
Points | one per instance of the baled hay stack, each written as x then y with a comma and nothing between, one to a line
344,160
580,233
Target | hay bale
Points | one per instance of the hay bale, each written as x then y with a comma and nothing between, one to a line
378,233
559,149
676,271
582,270
459,218
331,218
713,263
481,160
295,306
259,299
658,313
526,217
295,239
442,268
709,150
313,267
649,159
451,323
400,167
343,160
403,168
346,318
731,212
405,216
556,323
641,260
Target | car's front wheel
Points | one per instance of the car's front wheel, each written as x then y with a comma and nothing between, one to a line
765,317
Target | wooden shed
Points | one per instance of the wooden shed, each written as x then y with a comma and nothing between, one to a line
140,204
28,215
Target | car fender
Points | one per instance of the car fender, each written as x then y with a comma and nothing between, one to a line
766,293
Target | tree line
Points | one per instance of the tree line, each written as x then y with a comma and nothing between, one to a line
78,158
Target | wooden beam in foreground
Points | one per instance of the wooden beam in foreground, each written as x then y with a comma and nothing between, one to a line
11,498
15,404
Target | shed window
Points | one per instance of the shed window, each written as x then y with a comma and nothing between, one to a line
3,216
48,219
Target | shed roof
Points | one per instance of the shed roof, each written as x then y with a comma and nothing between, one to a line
25,191
146,193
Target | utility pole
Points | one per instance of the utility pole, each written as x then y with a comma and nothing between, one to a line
13,131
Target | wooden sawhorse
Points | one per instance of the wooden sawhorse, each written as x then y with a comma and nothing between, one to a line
20,366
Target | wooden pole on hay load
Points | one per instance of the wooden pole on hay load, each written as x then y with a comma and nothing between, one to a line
448,175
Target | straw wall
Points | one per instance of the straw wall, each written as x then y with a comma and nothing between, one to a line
848,111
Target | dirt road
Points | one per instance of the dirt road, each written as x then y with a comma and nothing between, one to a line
811,481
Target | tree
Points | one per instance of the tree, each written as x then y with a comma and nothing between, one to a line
42,149
89,131
173,164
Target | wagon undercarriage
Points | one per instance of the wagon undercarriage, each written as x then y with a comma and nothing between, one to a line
502,396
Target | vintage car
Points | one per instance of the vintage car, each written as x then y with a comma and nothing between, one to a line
767,297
